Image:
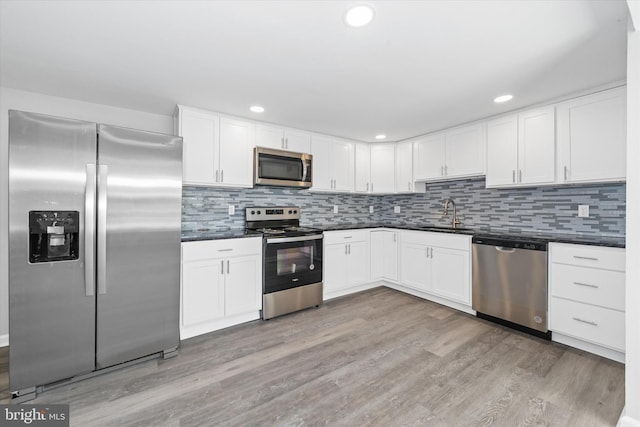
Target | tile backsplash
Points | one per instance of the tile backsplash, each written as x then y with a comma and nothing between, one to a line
543,209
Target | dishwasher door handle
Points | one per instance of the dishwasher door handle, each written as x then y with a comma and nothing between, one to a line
505,250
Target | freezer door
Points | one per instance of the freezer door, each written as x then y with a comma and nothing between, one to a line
138,243
52,301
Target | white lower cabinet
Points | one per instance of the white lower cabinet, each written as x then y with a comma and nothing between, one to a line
384,254
438,264
345,261
221,284
586,298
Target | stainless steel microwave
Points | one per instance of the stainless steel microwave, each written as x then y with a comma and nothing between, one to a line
282,168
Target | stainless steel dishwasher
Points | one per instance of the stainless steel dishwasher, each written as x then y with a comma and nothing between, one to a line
509,282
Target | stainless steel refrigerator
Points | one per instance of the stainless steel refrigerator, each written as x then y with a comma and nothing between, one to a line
94,247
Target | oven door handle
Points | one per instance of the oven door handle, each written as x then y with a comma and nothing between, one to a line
294,239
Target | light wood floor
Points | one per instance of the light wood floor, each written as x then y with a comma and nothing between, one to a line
379,358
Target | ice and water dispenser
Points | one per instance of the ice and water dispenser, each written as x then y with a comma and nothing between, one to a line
53,236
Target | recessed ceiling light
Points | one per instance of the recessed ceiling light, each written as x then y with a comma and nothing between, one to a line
359,16
381,136
503,98
256,109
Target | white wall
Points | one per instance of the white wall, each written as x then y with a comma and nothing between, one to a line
632,368
38,103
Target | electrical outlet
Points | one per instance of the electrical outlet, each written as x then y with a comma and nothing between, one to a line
232,210
583,211
396,209
370,209
335,208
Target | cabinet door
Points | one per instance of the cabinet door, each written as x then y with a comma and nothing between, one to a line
334,263
270,137
243,286
343,165
383,168
592,137
414,266
297,140
429,157
363,168
536,146
236,153
384,255
450,274
322,167
502,151
464,151
202,292
404,168
357,263
199,131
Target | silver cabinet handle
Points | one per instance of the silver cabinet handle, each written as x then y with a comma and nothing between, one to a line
432,253
513,176
367,187
372,187
286,143
519,175
225,250
588,258
588,285
103,173
282,142
565,173
348,237
446,172
228,269
409,185
222,175
441,170
394,237
345,249
349,248
590,322
90,231
221,266
217,175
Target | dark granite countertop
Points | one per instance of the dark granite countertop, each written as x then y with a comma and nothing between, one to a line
208,234
582,239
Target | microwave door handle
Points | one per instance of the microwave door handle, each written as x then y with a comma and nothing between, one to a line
304,170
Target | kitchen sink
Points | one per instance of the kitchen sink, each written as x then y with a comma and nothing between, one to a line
447,229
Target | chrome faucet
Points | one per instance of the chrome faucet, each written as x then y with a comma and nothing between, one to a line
454,221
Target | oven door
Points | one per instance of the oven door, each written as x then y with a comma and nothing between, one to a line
290,262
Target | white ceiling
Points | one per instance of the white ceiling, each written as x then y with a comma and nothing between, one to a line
418,67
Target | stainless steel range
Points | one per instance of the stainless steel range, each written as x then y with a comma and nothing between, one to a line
292,260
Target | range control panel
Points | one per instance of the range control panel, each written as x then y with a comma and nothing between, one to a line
272,213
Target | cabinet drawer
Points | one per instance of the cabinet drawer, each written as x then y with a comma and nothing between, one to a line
346,236
591,285
207,249
595,324
588,256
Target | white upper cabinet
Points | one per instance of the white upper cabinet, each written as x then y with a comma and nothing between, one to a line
592,137
363,167
404,168
200,132
333,164
216,151
455,153
429,157
282,138
383,168
521,149
464,151
236,149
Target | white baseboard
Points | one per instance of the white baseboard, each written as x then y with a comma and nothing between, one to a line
589,347
626,421
4,340
346,291
224,322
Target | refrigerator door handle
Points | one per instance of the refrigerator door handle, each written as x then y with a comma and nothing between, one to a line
102,228
90,230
